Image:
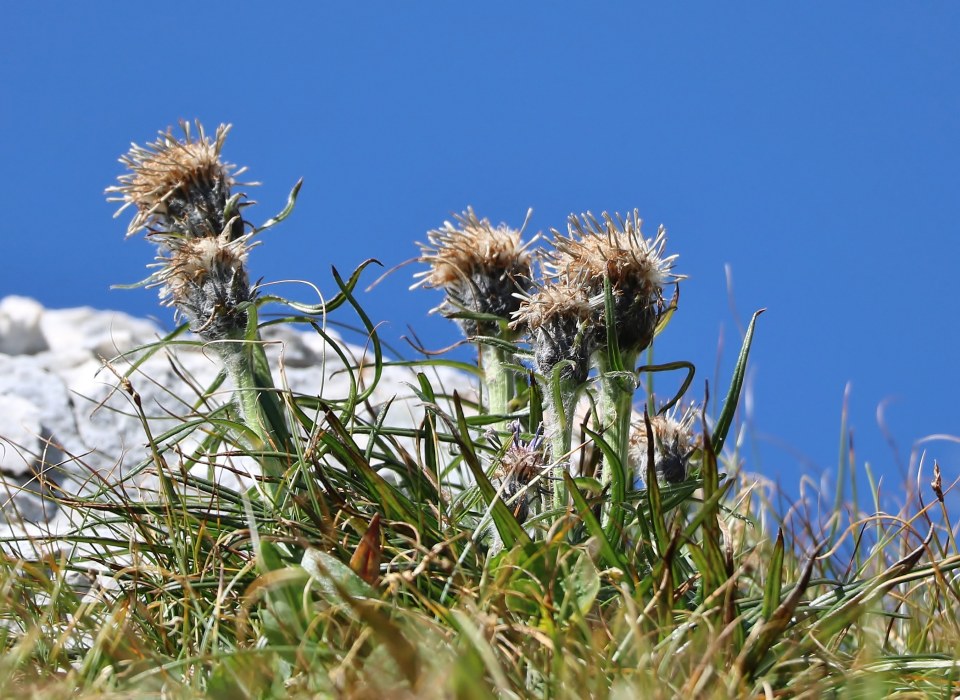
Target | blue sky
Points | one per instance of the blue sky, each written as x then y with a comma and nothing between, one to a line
813,149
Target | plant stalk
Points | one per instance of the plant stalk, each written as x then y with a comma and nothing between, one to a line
560,398
498,379
616,411
259,404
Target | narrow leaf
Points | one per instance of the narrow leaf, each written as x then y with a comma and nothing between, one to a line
733,394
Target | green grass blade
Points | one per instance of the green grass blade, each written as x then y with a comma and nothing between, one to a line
611,554
736,385
771,591
511,532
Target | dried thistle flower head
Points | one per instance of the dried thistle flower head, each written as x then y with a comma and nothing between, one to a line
180,188
521,463
206,280
674,443
615,248
479,266
560,318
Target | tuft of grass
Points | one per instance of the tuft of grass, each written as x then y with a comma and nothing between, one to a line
360,558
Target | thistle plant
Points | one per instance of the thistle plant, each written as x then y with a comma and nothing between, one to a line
560,321
182,194
612,260
674,443
357,585
518,475
480,268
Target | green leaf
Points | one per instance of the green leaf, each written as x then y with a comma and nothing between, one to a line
372,335
733,394
771,592
511,531
287,210
614,358
618,486
668,312
773,626
611,555
582,583
333,578
654,501
669,367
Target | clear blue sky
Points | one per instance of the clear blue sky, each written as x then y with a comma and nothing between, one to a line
813,148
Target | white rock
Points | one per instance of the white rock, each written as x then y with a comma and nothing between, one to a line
55,383
98,333
19,434
20,332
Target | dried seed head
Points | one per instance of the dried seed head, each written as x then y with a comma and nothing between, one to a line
206,280
560,318
615,248
674,443
521,464
180,188
480,267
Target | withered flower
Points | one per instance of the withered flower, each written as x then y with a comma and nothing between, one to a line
615,248
479,266
180,188
181,192
206,280
674,444
522,462
560,318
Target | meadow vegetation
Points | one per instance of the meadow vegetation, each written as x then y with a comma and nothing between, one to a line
553,527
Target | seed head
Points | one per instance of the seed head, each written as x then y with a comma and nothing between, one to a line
206,280
674,443
180,188
521,463
560,319
480,267
615,248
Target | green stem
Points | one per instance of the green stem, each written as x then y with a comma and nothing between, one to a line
616,412
560,399
259,404
499,381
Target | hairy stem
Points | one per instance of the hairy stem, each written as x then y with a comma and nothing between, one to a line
560,399
259,403
499,381
616,410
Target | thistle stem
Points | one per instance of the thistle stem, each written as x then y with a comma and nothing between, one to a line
258,402
616,411
560,399
498,379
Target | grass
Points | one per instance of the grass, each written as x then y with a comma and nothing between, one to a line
369,560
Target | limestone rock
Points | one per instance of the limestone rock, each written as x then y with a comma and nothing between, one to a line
60,405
